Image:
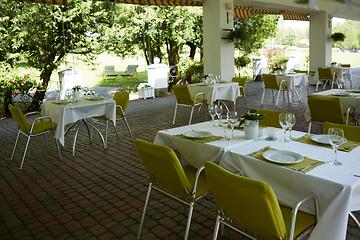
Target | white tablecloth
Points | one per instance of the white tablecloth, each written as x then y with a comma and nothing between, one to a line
293,80
335,186
196,153
353,101
337,189
222,91
65,114
341,72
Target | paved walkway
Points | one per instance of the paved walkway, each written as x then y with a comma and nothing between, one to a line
99,194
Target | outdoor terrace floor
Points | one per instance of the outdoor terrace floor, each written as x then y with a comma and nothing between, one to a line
100,194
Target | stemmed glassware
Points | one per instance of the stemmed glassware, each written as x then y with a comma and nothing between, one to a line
218,111
291,122
336,138
283,120
212,113
233,117
225,123
69,96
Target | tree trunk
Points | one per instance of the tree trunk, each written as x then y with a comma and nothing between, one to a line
173,58
192,49
7,101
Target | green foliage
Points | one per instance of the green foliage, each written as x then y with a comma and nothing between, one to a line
191,70
251,115
338,37
277,59
241,61
249,34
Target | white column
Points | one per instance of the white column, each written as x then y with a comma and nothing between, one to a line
320,40
218,52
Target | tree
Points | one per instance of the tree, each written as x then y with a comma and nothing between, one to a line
351,30
249,34
44,34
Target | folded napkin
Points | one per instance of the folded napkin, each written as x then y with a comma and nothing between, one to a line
201,140
304,166
346,147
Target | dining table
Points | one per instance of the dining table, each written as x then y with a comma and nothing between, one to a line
220,91
349,99
293,80
63,112
336,187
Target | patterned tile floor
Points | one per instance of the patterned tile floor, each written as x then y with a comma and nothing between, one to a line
99,194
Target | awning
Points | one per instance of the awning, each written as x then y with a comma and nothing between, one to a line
247,12
56,2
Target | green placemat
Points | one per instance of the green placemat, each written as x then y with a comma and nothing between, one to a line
342,95
201,140
53,102
346,147
353,91
304,166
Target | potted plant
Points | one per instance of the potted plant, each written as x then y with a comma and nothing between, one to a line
338,37
146,91
250,122
76,92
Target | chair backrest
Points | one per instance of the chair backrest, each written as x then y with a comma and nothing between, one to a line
248,202
109,70
325,73
351,133
182,94
242,82
163,165
20,118
301,71
346,65
326,109
130,70
270,81
271,118
122,99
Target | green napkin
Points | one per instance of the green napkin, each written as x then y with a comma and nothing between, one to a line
296,166
201,140
346,147
342,95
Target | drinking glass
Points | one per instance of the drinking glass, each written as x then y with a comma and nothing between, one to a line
68,95
283,120
291,122
224,123
212,113
218,111
233,117
336,138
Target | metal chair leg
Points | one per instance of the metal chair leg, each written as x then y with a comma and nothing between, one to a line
354,218
175,113
16,142
127,125
57,146
191,208
46,142
26,147
144,211
262,99
216,229
191,114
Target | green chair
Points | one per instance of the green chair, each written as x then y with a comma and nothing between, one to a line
130,72
325,75
185,184
184,98
328,109
40,126
122,100
351,133
242,86
110,73
271,82
253,205
271,118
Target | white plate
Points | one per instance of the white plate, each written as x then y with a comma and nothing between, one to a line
197,134
284,157
323,138
341,94
62,101
91,97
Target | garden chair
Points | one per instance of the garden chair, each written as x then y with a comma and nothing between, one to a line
130,72
110,73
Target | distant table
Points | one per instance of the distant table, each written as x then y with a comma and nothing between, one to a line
292,80
63,114
221,91
353,100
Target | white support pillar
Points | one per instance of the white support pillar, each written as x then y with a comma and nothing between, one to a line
218,52
320,40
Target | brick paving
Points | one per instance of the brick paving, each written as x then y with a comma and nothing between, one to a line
99,194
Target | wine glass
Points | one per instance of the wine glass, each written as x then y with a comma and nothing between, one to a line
336,138
68,95
291,122
212,113
218,111
233,117
224,123
283,120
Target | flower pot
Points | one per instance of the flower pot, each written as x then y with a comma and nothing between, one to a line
251,129
278,72
76,95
